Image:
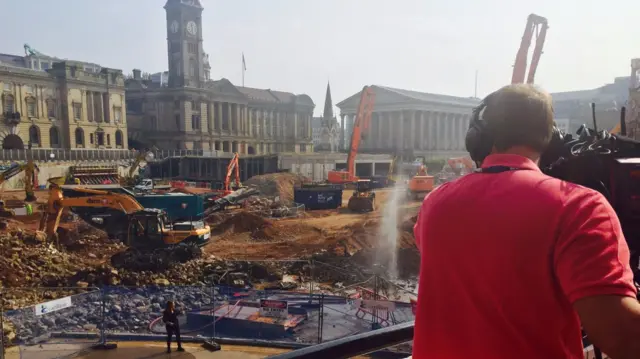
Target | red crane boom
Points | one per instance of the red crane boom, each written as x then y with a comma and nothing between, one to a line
535,25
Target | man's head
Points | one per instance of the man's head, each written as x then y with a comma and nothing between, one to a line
519,120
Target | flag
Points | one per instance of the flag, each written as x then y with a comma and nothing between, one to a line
244,64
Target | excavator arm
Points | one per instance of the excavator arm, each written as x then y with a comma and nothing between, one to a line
535,25
360,126
233,166
50,219
30,177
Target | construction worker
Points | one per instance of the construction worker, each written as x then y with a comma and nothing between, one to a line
514,261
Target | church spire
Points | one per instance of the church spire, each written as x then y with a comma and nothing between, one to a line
328,105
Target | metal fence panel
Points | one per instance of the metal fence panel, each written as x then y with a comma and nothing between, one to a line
138,310
39,329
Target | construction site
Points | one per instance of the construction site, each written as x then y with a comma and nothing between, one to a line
287,250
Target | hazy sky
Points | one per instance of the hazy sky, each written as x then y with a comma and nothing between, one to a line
297,45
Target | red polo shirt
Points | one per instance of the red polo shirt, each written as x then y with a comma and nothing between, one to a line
503,258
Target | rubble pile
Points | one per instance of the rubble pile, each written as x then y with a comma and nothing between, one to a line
259,227
277,185
267,207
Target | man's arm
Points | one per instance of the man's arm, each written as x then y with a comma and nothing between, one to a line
592,265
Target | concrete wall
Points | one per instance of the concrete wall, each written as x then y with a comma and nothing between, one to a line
316,166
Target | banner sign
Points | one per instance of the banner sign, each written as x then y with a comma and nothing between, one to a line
52,306
274,308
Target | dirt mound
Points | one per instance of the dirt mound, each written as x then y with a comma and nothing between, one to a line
277,185
260,228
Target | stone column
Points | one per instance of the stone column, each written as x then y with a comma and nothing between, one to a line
401,139
295,126
432,130
219,116
309,131
379,140
342,133
413,135
422,137
251,119
100,110
388,118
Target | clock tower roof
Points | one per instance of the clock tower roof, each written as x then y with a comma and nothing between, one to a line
190,3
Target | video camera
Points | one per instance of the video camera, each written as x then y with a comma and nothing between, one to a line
607,163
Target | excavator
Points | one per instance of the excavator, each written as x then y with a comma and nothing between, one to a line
151,238
30,180
363,198
233,170
131,179
420,184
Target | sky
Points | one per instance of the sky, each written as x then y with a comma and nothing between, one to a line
299,45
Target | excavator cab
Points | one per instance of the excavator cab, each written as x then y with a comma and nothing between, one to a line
146,228
363,198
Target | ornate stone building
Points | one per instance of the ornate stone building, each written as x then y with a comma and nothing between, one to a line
427,124
327,128
60,103
191,111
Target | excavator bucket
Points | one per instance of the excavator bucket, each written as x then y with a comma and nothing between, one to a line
361,203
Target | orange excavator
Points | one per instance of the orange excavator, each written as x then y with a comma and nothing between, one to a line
535,25
360,126
232,169
363,198
420,184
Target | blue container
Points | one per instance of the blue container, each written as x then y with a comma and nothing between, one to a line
179,206
318,197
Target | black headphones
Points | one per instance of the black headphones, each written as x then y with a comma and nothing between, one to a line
479,141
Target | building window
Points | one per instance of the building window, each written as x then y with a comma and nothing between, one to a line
79,137
117,114
51,108
195,122
100,137
91,138
77,111
44,65
31,107
8,87
108,139
54,137
8,103
28,89
118,138
34,136
192,48
194,106
177,122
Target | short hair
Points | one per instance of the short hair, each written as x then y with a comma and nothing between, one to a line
519,115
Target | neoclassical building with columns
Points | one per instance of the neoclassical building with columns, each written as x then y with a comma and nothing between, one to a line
429,125
187,110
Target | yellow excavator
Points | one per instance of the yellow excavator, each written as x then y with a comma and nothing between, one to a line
30,178
147,232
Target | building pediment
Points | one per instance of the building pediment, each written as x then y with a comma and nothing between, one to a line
392,96
225,87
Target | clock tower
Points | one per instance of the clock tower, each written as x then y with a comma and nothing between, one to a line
184,40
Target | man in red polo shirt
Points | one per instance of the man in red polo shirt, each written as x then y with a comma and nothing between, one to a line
513,261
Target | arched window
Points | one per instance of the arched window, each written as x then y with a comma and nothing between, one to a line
34,136
51,108
32,111
91,138
8,104
79,137
118,138
108,139
54,137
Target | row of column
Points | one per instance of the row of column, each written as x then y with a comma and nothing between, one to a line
96,110
240,120
417,130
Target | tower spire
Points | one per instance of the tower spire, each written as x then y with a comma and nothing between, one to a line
328,105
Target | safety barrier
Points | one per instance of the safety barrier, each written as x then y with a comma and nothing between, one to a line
248,302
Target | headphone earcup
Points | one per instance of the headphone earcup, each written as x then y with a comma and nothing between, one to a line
478,141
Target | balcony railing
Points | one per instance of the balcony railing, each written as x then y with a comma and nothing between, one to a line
355,345
54,154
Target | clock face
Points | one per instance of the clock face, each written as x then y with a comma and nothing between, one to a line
174,26
192,28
